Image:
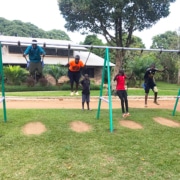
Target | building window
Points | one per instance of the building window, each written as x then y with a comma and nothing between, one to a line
64,52
49,51
89,71
16,49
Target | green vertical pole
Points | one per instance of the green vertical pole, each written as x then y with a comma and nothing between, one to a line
175,106
2,84
101,88
109,90
106,64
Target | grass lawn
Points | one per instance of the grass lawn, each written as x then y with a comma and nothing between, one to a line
165,89
60,153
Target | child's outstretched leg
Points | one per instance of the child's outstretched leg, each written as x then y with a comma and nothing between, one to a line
126,105
155,98
146,97
72,84
76,91
122,106
82,105
88,106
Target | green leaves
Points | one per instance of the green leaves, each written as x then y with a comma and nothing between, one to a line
15,75
16,27
55,71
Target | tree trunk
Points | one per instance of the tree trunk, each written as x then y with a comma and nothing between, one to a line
179,76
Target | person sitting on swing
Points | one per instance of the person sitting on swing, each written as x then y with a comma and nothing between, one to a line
74,73
34,51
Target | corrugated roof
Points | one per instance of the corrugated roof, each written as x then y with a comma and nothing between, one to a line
25,41
93,59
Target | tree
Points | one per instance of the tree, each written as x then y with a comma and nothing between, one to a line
18,28
116,20
57,34
94,40
168,40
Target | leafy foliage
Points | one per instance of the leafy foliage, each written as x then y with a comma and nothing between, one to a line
122,17
116,20
56,71
168,40
94,40
15,74
18,28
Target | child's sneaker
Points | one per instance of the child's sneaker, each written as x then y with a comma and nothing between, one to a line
124,115
72,93
77,93
155,102
127,114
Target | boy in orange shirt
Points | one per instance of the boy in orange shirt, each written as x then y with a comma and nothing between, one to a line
74,73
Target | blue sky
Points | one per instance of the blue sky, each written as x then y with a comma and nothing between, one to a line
46,15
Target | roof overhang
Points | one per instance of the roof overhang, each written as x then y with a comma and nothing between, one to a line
47,43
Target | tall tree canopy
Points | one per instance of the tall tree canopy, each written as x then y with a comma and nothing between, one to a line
168,40
116,20
19,28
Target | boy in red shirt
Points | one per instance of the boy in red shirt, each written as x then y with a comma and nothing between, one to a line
121,91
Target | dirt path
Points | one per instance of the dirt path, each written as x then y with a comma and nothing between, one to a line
75,103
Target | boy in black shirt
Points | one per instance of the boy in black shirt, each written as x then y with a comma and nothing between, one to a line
85,91
149,82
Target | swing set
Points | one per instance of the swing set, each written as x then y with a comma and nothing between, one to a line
105,66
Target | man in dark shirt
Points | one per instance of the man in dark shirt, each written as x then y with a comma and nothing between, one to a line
149,82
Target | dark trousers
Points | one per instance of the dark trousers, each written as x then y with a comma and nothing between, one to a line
122,94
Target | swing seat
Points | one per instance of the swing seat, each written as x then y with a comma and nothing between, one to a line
1,99
28,62
102,98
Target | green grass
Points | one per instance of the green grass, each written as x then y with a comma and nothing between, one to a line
131,92
60,153
165,89
46,93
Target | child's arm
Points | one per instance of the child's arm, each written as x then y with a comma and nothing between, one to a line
115,77
165,68
129,77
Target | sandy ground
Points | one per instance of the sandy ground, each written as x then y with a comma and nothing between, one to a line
75,103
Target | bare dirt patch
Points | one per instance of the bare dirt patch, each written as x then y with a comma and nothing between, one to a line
75,103
130,124
79,126
166,122
34,128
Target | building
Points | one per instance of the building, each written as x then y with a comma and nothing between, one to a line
57,52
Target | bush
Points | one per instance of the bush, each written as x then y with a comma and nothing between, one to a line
15,75
43,81
30,81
